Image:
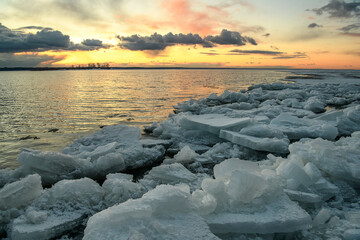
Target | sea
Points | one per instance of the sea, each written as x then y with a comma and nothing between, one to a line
47,110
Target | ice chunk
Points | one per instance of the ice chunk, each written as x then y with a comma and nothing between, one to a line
352,234
297,128
281,215
122,135
163,213
84,192
20,193
203,202
119,188
315,105
217,189
224,169
291,170
34,216
186,155
122,176
312,171
244,187
54,226
53,166
173,173
338,160
213,123
302,196
262,131
322,216
274,145
152,142
103,150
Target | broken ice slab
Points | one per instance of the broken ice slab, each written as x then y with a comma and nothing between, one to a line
54,226
152,142
302,197
173,173
274,145
296,128
20,193
282,215
213,123
162,213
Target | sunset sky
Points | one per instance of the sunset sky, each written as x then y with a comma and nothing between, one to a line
196,33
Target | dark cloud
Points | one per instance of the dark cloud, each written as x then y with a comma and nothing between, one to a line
210,53
340,9
260,52
350,27
230,38
351,30
34,28
290,56
160,42
92,43
314,25
266,35
274,47
12,41
27,60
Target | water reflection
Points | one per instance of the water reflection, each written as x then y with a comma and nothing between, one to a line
78,102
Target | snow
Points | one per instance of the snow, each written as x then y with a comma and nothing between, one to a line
275,161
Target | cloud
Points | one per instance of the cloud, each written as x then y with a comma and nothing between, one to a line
314,25
27,60
291,56
210,53
230,38
160,42
266,35
250,52
340,9
34,28
351,30
350,27
12,41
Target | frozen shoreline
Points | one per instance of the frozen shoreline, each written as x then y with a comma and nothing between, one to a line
270,162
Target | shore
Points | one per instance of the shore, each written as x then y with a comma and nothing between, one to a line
275,161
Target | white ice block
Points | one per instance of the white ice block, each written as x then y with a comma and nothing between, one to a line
213,123
282,215
274,145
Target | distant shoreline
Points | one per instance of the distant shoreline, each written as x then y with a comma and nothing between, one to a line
126,68
154,68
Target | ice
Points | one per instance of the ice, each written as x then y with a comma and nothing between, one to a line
303,197
186,155
297,128
312,171
262,131
315,105
203,202
244,187
213,123
52,227
163,213
20,193
119,188
322,216
339,160
291,170
282,215
274,145
170,174
53,166
352,234
225,168
58,209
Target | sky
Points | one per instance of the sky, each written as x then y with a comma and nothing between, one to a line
320,34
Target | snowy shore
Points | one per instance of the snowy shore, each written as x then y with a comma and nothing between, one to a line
278,161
